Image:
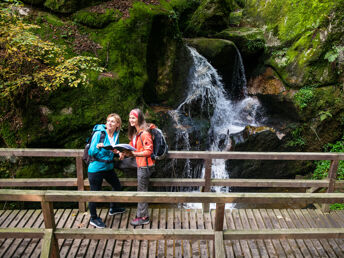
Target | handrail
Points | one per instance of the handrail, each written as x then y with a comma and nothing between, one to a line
51,234
330,183
26,152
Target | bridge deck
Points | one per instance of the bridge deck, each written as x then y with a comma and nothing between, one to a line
183,219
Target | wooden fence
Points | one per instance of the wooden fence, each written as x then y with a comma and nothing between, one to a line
50,233
206,183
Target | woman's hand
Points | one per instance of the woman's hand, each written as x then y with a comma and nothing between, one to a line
100,145
121,156
128,153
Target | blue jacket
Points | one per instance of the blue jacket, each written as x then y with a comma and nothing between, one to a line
96,166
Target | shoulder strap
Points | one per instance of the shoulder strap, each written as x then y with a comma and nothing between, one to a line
146,157
102,137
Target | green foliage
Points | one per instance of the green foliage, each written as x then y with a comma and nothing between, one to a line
97,20
28,63
324,115
323,166
334,53
297,140
303,97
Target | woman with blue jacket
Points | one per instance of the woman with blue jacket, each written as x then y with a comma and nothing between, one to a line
102,166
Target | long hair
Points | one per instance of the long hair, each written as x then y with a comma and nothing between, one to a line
118,120
142,124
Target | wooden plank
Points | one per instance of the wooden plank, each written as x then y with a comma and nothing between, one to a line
328,223
48,214
38,182
185,225
144,244
209,226
80,180
34,243
275,224
335,216
317,244
184,197
49,246
292,242
113,222
323,245
36,252
170,225
298,224
297,233
245,225
291,225
74,220
81,249
219,246
8,152
276,243
178,244
14,219
30,225
235,243
255,155
123,225
238,225
128,243
204,252
162,225
92,247
207,181
83,220
332,175
219,216
152,249
72,182
253,225
13,243
165,197
194,243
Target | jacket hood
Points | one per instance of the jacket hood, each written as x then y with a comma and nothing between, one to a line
100,127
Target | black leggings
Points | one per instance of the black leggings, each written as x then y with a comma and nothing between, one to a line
96,180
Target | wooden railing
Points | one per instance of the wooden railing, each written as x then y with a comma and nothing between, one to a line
50,233
330,183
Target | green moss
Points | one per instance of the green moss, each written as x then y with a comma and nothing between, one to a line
250,41
97,20
211,16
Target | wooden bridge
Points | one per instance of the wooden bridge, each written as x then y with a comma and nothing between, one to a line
176,232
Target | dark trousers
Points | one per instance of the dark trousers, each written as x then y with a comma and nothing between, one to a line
96,181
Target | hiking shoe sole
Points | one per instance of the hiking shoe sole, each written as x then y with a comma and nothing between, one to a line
97,226
116,212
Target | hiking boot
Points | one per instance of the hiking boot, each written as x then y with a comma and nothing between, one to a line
114,211
98,223
140,221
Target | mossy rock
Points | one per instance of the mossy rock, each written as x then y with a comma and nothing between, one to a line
219,52
211,16
250,41
62,6
97,20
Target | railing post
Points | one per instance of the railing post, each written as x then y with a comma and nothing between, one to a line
80,180
50,246
332,175
218,231
207,178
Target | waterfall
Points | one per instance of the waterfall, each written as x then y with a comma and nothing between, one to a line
207,99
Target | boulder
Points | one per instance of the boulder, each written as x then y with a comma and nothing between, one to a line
211,16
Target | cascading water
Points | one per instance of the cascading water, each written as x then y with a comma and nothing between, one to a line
208,99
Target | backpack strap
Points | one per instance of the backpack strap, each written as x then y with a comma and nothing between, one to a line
146,157
101,140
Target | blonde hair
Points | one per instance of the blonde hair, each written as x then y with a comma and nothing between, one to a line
117,118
